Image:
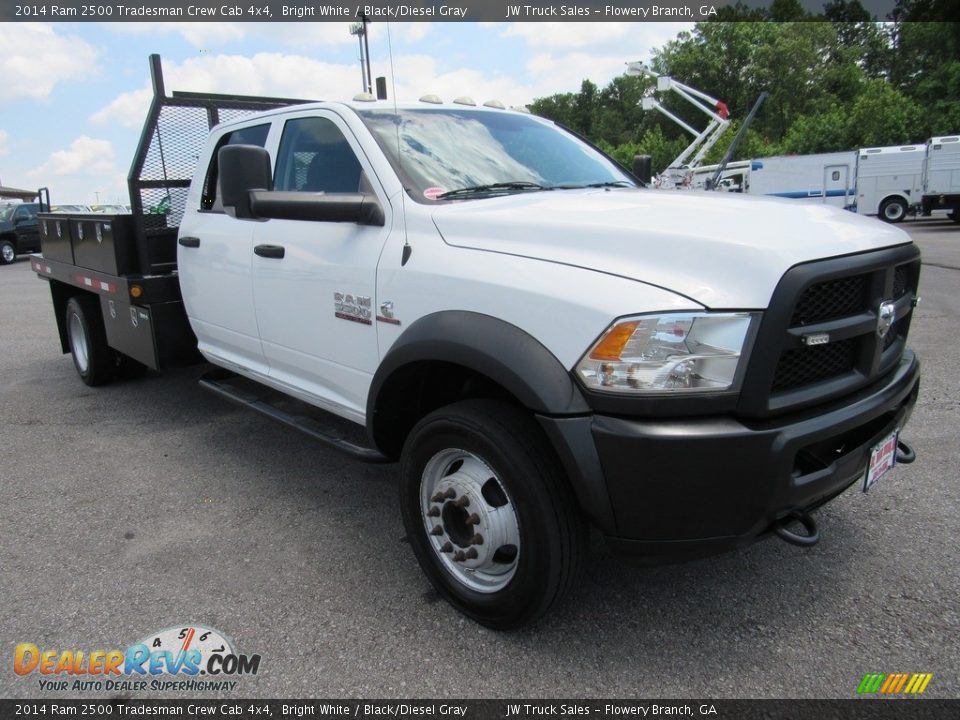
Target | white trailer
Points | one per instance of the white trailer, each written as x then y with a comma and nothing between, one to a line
941,176
889,180
827,178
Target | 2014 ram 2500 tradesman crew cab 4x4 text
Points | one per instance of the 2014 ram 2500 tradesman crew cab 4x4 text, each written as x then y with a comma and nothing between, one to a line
541,343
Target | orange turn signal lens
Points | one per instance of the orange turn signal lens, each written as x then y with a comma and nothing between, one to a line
612,344
136,291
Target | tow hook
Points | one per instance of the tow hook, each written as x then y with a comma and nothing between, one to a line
905,453
809,540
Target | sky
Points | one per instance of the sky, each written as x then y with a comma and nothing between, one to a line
73,96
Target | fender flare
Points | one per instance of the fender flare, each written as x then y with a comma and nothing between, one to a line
509,356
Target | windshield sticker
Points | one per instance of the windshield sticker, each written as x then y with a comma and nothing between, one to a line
432,193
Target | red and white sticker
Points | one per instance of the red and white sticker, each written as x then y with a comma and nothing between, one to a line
432,193
883,457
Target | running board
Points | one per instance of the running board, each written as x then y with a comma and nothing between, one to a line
325,427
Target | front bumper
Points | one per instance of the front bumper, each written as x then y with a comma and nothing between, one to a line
675,488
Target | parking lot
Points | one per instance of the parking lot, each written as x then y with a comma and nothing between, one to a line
149,504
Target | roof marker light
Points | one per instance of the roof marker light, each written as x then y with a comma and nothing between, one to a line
364,97
432,99
495,104
464,100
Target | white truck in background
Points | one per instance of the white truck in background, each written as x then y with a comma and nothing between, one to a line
539,342
890,180
941,177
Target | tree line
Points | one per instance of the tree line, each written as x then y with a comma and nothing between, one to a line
837,80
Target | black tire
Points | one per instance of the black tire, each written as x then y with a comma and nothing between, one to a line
94,360
8,252
955,216
552,535
893,210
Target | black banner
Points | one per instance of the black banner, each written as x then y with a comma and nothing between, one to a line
389,10
860,709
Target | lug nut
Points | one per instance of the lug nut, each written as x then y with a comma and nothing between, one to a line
471,554
447,547
460,556
437,530
474,519
477,539
462,502
433,512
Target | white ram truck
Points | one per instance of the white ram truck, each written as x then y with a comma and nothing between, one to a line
542,344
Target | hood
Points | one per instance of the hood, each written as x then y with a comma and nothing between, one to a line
718,249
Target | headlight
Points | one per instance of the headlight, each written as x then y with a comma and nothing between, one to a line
676,352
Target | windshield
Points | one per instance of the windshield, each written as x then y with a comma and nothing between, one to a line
6,213
442,150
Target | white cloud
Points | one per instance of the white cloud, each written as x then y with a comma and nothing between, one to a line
207,36
35,58
81,171
85,156
199,34
567,35
4,136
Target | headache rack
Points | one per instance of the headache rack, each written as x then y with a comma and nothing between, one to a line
144,242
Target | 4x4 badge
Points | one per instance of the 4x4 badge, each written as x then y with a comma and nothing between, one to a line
886,316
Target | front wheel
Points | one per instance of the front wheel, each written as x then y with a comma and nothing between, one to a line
8,252
488,513
893,210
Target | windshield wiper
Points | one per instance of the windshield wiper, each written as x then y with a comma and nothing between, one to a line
605,183
492,188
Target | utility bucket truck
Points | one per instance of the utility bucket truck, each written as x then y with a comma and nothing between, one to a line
889,180
679,173
941,177
482,297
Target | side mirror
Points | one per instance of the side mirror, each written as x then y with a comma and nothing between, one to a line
242,168
359,207
643,168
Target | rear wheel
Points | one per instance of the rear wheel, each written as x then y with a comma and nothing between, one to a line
893,210
8,252
95,362
955,216
488,513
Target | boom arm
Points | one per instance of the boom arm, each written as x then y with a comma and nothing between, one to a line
703,141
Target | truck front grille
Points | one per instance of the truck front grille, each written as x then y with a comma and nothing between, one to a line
806,365
831,299
839,300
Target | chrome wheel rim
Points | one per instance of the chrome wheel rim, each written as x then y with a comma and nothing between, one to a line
9,254
894,211
470,520
78,343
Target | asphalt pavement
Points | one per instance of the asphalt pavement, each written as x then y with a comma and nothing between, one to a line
151,504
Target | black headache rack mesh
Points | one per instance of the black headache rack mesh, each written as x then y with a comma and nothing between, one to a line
173,136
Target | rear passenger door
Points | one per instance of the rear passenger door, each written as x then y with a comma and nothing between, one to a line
214,259
316,304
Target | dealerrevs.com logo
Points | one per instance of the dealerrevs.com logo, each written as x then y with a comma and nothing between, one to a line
189,658
894,683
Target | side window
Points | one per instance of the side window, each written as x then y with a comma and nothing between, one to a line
256,135
314,156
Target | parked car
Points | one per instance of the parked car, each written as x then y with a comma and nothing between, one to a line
19,231
71,209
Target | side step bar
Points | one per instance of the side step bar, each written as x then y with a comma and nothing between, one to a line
245,392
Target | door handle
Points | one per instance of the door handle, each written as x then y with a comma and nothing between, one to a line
269,251
189,241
